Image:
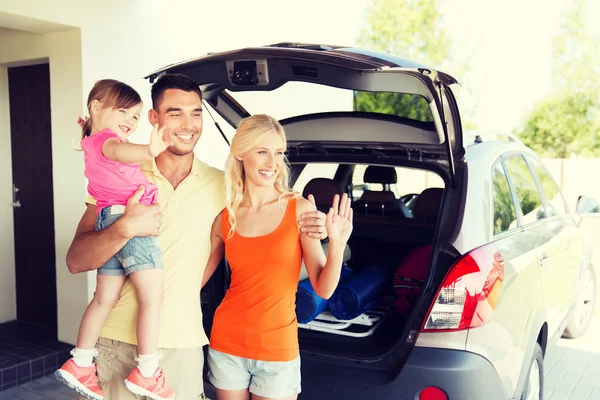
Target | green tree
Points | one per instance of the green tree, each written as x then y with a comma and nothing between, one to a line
409,29
567,122
576,52
564,124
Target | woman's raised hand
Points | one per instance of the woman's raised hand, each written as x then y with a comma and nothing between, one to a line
339,220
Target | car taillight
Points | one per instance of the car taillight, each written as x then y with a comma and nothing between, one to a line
432,393
469,293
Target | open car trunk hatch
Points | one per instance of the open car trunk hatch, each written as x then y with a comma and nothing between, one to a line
388,91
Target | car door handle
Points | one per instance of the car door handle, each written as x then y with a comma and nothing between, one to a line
544,260
568,246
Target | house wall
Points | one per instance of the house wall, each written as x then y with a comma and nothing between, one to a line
95,39
128,40
63,52
8,307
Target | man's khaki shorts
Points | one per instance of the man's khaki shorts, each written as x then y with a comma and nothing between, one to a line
183,370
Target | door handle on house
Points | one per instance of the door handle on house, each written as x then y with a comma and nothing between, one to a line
16,203
544,260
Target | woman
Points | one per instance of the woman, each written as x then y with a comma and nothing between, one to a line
254,339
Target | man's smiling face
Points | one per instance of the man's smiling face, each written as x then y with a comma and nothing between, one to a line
181,114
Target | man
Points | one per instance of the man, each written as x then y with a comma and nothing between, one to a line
190,195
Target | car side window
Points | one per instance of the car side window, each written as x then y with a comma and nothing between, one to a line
555,203
505,215
526,189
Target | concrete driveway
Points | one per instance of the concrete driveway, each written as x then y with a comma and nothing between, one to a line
572,373
573,367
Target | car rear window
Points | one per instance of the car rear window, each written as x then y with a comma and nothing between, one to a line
301,98
399,104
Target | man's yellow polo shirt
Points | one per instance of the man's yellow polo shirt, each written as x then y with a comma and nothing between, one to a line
188,215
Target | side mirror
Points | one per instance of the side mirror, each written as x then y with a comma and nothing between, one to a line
587,205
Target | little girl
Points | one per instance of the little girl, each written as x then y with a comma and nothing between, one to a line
113,173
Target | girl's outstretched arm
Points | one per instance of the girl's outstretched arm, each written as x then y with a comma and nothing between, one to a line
125,152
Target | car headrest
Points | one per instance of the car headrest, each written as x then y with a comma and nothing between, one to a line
323,189
378,174
373,196
428,203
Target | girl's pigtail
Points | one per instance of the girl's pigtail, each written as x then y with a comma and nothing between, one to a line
86,126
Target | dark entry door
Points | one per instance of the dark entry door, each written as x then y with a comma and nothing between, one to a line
29,97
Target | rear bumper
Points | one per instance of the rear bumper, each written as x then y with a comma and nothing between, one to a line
462,375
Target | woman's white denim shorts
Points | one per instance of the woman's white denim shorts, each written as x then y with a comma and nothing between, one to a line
138,254
272,379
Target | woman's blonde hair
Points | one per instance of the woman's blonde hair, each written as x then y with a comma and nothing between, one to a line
247,136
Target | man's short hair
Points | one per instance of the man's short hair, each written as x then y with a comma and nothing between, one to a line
172,81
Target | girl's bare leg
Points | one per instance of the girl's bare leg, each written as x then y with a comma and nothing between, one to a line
108,291
149,286
255,397
233,394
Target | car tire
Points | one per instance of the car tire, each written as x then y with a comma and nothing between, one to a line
534,385
583,312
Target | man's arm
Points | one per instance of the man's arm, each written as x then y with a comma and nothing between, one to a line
217,250
90,249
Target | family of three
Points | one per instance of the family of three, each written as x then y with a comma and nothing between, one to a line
160,217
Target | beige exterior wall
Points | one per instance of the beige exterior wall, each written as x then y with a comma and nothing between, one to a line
63,51
8,307
125,40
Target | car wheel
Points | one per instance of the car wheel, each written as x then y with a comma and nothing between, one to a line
584,309
534,385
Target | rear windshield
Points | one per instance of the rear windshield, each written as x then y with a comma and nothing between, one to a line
410,106
300,98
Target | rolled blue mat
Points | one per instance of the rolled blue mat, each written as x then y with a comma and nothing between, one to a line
308,304
355,295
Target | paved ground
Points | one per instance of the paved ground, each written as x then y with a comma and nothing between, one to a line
41,389
572,367
572,373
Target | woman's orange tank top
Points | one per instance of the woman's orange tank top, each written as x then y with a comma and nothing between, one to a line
257,318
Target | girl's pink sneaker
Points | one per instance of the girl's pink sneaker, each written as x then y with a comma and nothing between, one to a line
154,387
83,380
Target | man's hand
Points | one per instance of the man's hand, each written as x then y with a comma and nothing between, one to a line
313,223
139,219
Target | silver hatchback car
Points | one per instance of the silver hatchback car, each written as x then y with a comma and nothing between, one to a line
484,266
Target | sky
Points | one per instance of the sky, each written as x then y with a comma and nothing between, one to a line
507,44
512,57
508,47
